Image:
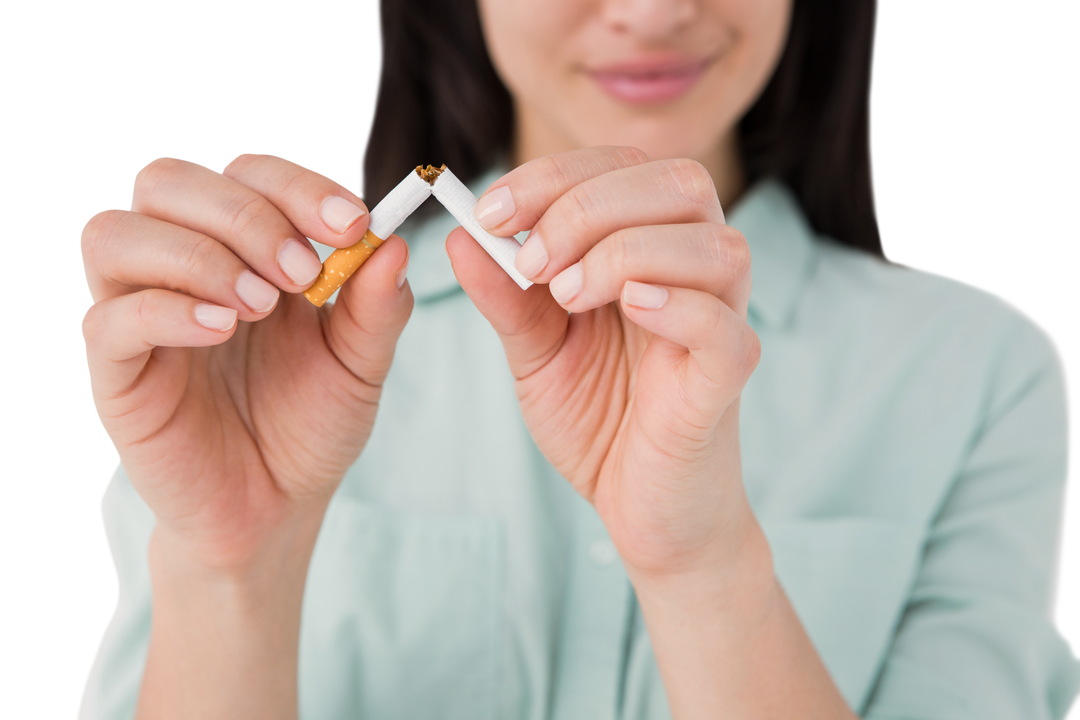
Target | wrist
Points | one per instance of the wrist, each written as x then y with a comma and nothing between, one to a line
226,629
728,643
714,534
238,552
733,574
192,588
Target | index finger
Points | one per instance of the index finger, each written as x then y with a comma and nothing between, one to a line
316,205
517,200
262,208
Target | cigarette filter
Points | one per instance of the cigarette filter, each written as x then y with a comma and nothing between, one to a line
398,204
460,201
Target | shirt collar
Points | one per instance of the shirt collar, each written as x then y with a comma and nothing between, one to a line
780,239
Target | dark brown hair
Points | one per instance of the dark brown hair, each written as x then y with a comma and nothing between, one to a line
440,100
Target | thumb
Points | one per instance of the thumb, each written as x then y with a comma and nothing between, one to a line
370,313
529,322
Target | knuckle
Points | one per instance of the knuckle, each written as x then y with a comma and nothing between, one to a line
240,163
92,324
712,240
594,162
718,321
752,346
103,243
241,210
150,172
279,175
146,311
97,231
295,178
627,253
632,155
583,203
724,250
736,251
555,171
567,169
149,175
155,173
194,257
692,181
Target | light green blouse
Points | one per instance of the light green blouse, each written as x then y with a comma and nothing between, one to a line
903,445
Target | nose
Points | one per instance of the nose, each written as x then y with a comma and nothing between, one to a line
650,19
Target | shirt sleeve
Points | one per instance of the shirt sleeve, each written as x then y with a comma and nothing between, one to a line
977,639
112,690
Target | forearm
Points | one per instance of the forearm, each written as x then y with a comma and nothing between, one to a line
728,643
224,640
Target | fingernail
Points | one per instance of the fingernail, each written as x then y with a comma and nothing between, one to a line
495,208
340,214
647,297
256,293
215,317
298,262
566,285
400,277
532,258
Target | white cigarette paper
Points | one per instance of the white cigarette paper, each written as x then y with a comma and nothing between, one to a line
457,198
398,205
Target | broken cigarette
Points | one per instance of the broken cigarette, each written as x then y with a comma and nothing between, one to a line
460,201
398,205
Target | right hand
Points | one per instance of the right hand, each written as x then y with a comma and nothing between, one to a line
231,430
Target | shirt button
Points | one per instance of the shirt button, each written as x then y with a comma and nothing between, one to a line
602,553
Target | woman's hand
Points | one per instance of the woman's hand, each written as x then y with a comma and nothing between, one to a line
633,396
236,408
225,426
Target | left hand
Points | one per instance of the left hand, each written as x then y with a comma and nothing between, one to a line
633,395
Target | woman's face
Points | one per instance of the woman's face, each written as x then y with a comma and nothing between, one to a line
672,77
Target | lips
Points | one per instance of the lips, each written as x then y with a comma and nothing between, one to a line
649,81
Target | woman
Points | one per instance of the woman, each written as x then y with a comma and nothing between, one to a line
837,494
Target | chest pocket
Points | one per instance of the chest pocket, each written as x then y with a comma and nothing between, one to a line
401,616
848,580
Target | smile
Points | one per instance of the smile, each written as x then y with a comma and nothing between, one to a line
649,82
